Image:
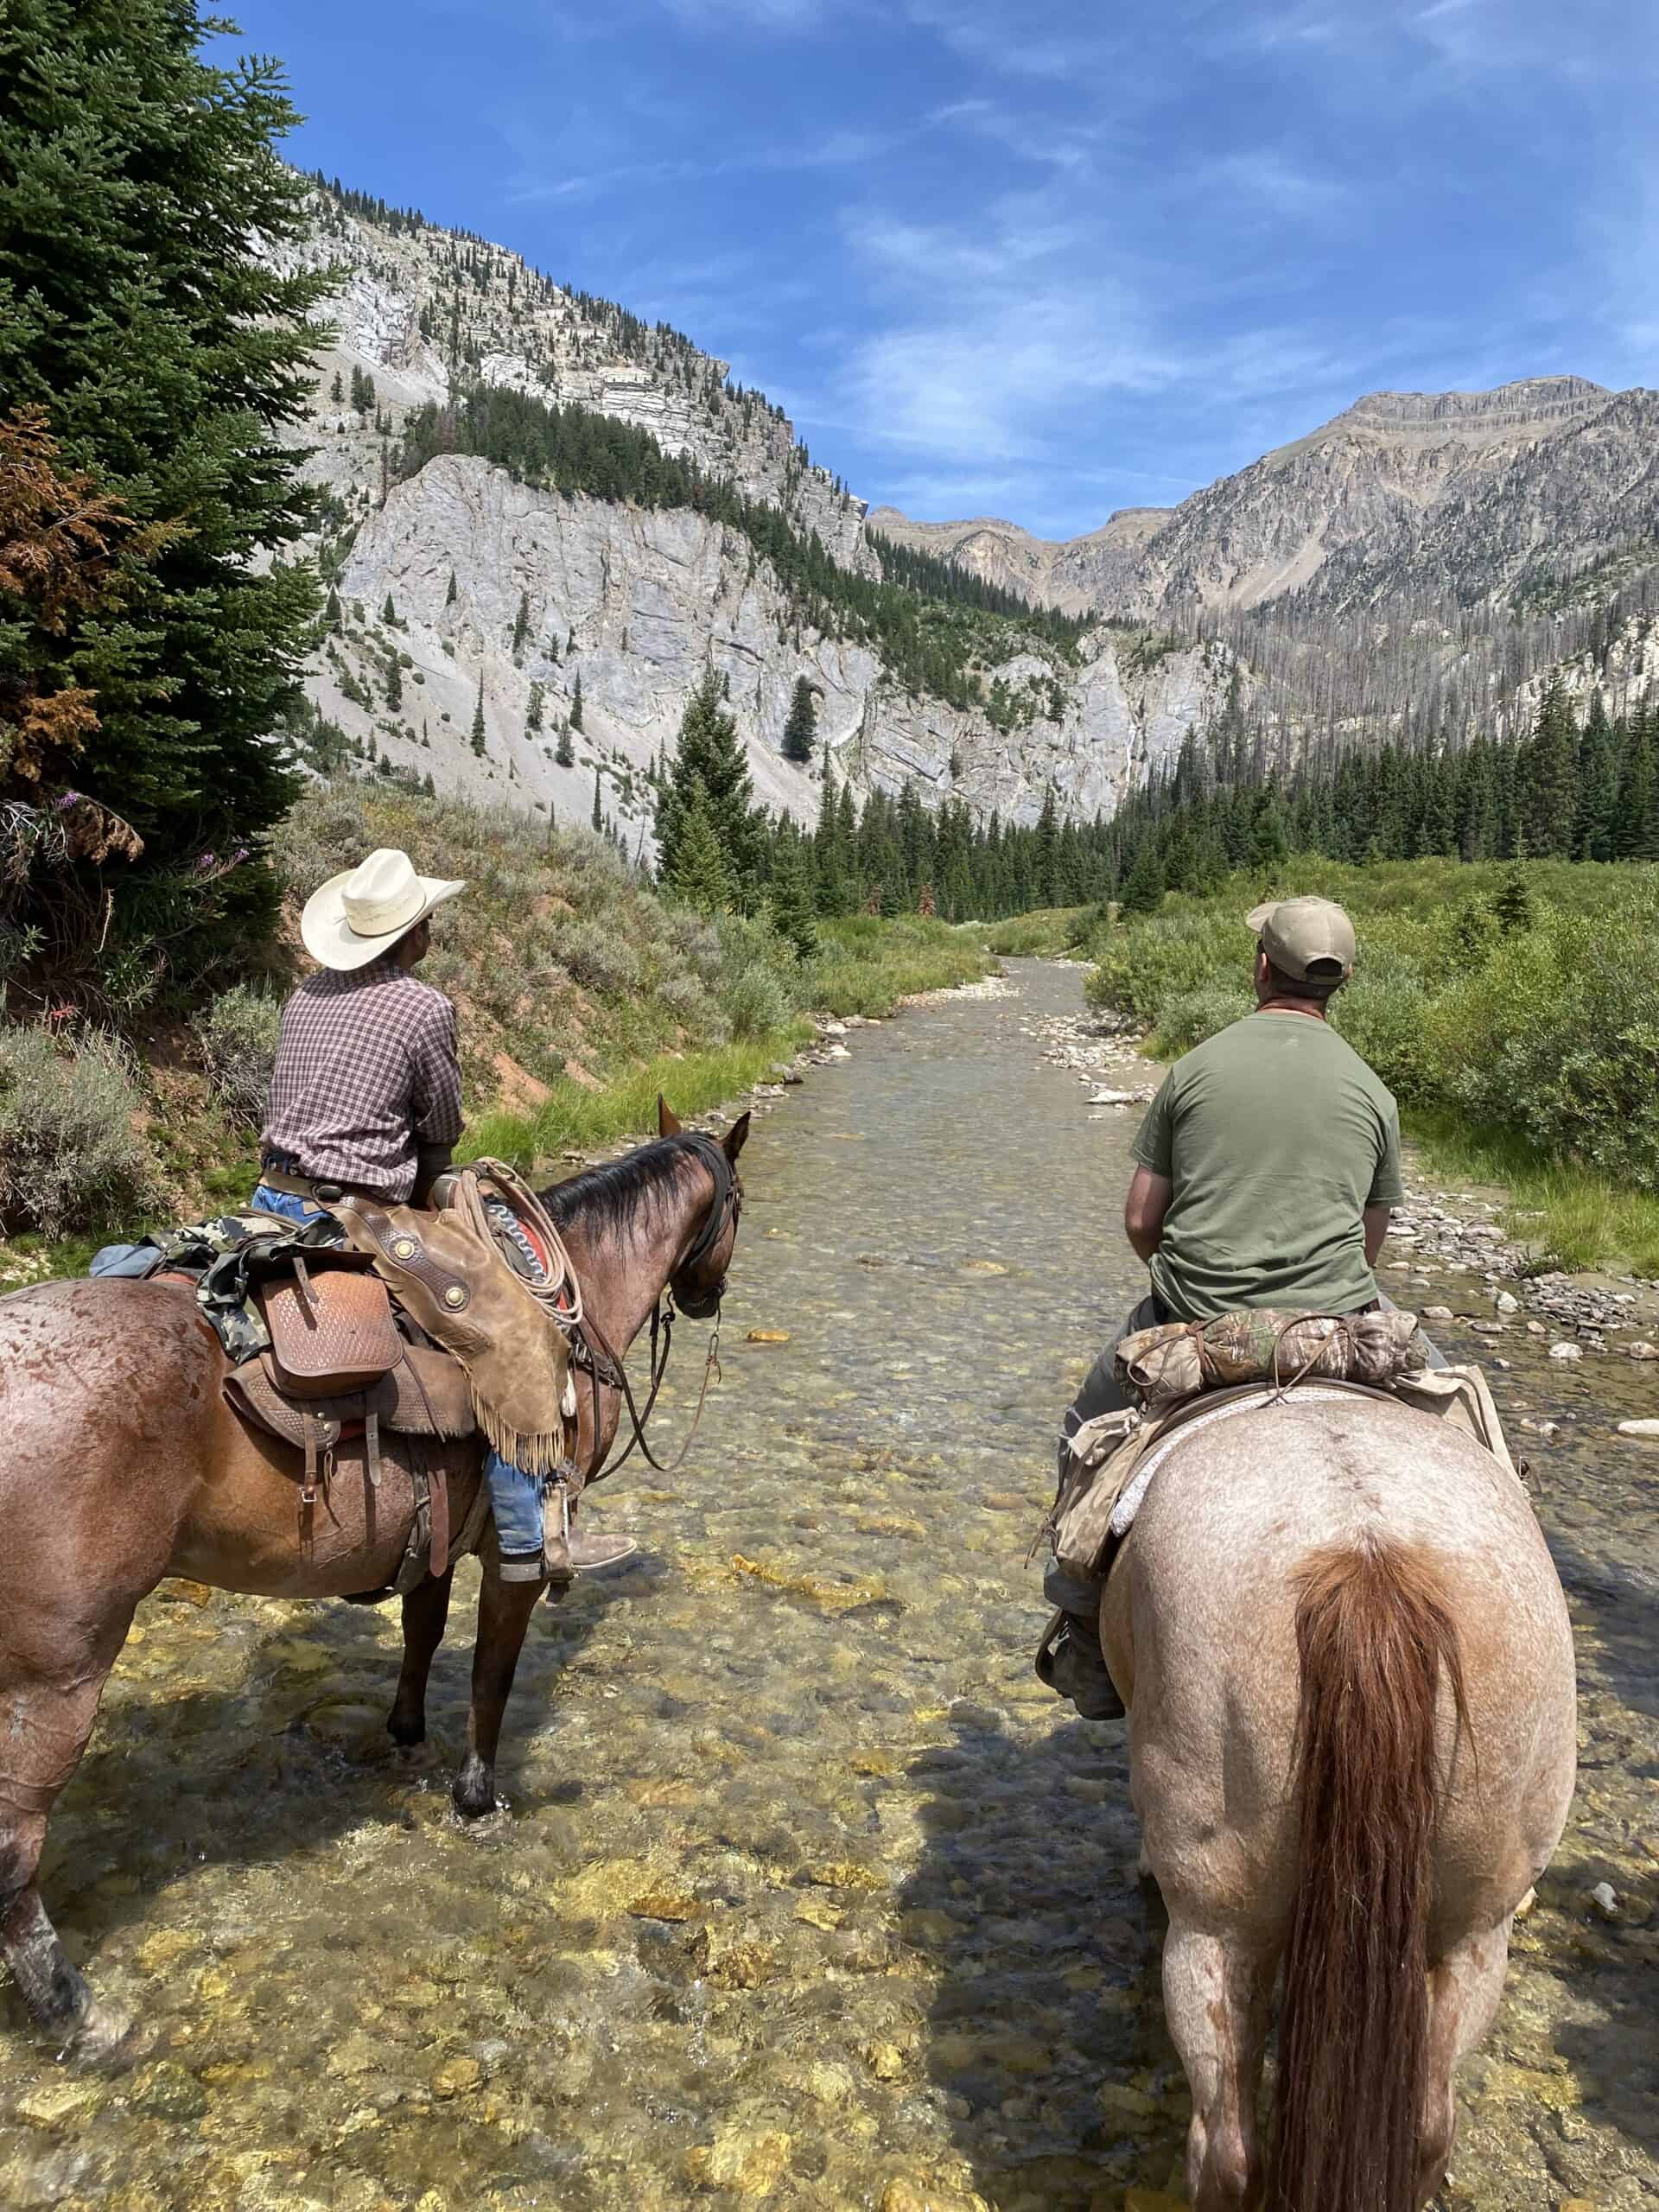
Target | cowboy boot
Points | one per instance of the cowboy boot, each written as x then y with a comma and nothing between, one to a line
589,1554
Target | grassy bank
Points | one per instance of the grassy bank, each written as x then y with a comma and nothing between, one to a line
1513,1011
1047,933
580,996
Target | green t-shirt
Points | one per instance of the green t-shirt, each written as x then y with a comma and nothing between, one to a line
1277,1136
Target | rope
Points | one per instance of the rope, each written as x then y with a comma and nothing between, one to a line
559,1290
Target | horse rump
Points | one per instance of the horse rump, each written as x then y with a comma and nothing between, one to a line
1373,1632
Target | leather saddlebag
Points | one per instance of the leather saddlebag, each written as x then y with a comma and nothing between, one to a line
331,1332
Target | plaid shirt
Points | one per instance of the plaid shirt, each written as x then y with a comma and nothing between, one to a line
365,1074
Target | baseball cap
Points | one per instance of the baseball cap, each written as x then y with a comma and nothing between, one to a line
1309,938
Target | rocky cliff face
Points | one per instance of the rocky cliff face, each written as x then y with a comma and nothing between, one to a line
637,605
421,309
1460,496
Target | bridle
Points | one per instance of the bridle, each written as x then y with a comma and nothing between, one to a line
591,1351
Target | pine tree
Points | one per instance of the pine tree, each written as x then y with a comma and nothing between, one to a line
389,612
336,391
167,362
1549,773
790,897
477,719
699,876
1143,893
710,756
575,704
533,718
802,728
332,613
454,592
394,684
521,627
599,808
829,864
565,753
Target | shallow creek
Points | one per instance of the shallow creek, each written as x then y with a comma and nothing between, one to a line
807,1893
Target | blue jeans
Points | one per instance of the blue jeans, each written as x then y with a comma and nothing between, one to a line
515,1496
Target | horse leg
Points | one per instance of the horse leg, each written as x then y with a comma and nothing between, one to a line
504,1611
1463,1989
426,1610
1217,1995
46,1725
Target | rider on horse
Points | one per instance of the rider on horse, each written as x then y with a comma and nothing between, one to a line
365,1099
1266,1168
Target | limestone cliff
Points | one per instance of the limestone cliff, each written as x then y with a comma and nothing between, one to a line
636,605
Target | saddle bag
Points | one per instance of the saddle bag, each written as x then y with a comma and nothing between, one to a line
1161,1367
331,1331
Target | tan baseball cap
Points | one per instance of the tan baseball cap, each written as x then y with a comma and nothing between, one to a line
1309,938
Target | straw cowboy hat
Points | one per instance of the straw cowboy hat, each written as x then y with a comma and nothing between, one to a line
358,916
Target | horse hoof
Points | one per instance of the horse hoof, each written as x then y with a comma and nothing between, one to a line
406,1734
104,2041
474,1795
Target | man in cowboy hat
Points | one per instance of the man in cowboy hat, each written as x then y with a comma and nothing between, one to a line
366,1098
1266,1170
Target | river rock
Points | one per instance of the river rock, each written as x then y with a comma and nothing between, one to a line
748,2163
455,2078
1507,1302
1437,1313
1648,1430
1566,1352
1603,1900
1642,1350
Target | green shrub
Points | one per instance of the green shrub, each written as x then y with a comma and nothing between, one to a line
1190,1016
236,1038
72,1152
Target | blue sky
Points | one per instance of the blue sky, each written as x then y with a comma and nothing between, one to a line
1036,258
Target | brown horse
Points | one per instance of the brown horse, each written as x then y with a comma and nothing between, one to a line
1348,1670
125,1466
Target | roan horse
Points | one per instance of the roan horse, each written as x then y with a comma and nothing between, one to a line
1350,1674
123,1465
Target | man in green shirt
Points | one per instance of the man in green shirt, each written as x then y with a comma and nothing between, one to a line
1266,1170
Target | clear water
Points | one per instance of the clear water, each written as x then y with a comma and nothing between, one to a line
808,1894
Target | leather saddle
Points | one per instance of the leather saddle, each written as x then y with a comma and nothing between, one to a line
338,1364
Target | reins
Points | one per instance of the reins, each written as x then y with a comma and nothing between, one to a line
586,1336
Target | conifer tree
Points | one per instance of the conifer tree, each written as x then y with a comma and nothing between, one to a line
575,704
1549,778
829,869
802,728
521,627
699,876
454,592
1143,893
533,718
394,684
788,895
336,391
564,752
709,756
167,361
332,613
477,718
599,808
389,612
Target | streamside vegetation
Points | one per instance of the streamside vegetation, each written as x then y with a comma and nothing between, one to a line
1513,1009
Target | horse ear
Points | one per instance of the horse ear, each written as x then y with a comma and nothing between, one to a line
668,1121
736,1137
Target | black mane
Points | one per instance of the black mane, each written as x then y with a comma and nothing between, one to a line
615,1195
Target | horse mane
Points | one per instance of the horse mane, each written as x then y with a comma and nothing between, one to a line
619,1194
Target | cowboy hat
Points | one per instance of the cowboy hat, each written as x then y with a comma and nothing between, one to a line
359,915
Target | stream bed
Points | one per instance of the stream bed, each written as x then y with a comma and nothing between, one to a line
806,1893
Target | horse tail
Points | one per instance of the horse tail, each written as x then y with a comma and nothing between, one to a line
1375,1634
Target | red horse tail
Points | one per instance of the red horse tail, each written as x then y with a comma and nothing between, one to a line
1374,1631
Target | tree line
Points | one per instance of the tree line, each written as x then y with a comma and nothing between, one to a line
930,628
1576,787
